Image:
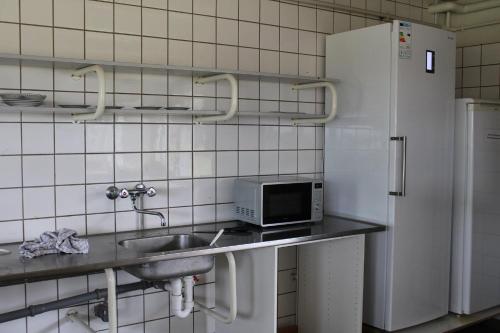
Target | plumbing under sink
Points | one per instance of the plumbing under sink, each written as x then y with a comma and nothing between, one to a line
168,269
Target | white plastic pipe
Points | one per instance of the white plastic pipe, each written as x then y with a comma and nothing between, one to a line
72,315
475,26
463,9
111,282
333,108
179,308
234,97
101,94
233,301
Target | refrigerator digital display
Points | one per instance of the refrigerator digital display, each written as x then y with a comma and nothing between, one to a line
429,61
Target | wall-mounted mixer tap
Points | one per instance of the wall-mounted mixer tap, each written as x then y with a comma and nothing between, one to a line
138,191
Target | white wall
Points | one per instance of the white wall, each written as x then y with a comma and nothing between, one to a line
55,172
478,55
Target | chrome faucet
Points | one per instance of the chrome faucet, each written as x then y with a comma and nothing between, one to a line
138,191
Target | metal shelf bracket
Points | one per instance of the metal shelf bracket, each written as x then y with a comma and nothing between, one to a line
101,95
333,108
112,307
234,97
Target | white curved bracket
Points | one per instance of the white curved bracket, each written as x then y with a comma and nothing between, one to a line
233,301
112,309
234,97
333,108
101,95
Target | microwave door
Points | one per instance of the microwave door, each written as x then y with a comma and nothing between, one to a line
286,203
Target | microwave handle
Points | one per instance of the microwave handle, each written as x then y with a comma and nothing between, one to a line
402,192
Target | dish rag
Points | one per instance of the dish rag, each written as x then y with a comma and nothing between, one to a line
50,242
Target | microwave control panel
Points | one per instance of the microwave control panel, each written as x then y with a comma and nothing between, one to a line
317,201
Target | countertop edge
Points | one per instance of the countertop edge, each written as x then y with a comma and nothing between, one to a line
76,270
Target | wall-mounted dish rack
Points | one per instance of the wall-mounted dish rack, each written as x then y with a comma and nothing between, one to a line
201,75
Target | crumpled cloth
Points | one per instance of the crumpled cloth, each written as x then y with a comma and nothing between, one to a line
50,242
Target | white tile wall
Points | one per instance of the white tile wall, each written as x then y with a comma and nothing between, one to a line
478,73
55,173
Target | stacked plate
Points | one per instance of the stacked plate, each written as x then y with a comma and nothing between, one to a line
23,99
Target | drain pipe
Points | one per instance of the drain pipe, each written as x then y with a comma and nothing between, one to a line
233,301
67,302
174,286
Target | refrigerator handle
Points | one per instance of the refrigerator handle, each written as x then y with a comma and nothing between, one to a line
402,192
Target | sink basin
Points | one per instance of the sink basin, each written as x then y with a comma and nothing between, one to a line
168,269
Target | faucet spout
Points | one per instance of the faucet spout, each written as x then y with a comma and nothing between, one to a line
150,212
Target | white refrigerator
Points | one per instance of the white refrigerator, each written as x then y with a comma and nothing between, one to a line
475,274
388,159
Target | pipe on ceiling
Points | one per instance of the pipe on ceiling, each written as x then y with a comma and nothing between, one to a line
463,9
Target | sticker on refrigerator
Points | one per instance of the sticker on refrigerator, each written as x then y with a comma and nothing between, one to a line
404,40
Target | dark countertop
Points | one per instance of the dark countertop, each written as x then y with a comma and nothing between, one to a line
105,251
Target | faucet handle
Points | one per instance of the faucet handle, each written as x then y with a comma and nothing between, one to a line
112,192
124,193
140,187
151,192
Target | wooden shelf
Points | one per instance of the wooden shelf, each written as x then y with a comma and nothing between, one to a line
195,71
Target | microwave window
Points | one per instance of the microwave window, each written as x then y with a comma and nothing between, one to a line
286,203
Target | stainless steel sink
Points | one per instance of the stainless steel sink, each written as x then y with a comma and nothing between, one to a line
163,270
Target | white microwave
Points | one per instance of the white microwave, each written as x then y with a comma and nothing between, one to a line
272,201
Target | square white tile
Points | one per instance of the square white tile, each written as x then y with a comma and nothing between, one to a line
10,136
248,137
154,166
203,137
154,137
227,137
127,137
38,138
268,163
248,163
180,137
128,167
203,191
180,193
99,138
38,202
180,216
225,187
70,200
99,168
12,231
11,171
287,162
180,26
156,305
179,165
70,169
227,163
11,204
203,164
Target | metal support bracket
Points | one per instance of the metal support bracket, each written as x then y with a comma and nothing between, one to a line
233,301
112,308
333,108
234,97
101,94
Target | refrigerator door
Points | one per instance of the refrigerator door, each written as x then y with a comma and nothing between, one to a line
357,147
420,221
